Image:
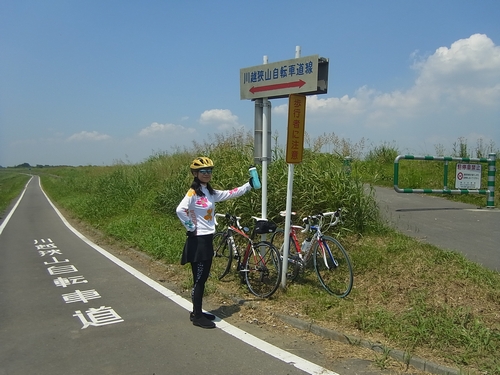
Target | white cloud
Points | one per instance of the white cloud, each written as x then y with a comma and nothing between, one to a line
156,128
88,136
466,73
316,106
472,61
456,92
222,119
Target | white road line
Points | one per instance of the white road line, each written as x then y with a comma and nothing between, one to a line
482,209
4,223
283,355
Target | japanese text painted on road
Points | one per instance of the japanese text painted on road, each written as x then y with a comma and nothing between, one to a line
61,268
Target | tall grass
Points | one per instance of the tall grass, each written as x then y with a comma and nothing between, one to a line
129,201
11,184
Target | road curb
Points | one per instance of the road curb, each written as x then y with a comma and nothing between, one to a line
398,355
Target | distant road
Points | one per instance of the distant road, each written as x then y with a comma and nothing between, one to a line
460,227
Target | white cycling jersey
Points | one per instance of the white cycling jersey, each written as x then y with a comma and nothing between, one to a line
197,213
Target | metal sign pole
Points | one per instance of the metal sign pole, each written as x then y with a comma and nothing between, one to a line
288,216
266,118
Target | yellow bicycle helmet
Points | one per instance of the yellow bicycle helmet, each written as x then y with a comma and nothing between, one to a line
202,162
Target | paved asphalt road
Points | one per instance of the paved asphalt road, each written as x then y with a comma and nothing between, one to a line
460,227
66,308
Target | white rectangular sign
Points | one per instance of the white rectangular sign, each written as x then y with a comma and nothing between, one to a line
468,176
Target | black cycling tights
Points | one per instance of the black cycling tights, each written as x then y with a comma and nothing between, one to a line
200,271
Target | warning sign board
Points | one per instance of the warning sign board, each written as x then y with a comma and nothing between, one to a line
296,128
468,176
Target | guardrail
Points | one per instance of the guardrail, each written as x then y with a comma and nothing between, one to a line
489,192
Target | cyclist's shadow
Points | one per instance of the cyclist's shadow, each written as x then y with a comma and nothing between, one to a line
226,311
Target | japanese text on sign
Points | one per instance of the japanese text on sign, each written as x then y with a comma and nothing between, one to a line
284,71
296,128
468,176
280,79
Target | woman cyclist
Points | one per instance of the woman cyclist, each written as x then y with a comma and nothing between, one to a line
196,212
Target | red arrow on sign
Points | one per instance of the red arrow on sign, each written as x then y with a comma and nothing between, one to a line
277,86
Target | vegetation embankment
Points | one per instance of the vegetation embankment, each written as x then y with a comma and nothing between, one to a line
11,183
407,295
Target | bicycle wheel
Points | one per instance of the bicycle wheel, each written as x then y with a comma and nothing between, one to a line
223,256
333,266
294,263
263,269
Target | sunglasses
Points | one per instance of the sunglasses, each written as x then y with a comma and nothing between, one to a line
205,171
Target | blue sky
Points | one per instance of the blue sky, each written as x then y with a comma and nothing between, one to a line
100,82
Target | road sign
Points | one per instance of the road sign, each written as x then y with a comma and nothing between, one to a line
468,176
305,75
296,128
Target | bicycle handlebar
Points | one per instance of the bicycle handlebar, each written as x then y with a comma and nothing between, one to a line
228,216
231,218
235,220
319,217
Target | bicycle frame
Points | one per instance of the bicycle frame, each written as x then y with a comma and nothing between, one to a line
317,236
257,263
331,262
231,230
325,249
293,237
250,243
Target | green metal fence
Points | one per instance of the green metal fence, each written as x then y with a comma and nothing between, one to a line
489,192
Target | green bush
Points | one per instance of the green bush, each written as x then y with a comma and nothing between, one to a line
10,186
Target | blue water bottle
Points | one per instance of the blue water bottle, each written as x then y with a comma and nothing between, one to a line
255,177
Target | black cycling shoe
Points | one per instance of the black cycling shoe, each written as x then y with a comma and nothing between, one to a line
203,322
206,315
